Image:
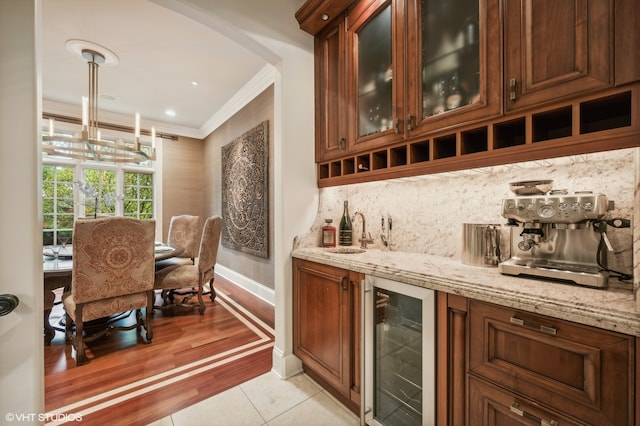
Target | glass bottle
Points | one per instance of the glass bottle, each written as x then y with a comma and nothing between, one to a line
441,95
328,234
346,229
454,98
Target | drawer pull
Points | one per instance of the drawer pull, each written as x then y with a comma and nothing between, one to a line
540,327
515,408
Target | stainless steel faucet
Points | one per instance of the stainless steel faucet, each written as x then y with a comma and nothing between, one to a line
364,240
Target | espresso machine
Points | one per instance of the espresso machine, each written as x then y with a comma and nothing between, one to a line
557,235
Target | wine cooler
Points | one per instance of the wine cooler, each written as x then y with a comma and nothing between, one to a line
399,347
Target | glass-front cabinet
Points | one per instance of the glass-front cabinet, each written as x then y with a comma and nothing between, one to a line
415,67
450,55
453,62
375,66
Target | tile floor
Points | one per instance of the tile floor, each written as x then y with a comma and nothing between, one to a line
266,400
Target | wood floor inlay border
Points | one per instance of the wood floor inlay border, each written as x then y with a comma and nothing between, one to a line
179,375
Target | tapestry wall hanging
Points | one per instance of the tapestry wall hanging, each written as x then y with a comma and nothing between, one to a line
245,203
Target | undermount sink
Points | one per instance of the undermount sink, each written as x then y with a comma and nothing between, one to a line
345,250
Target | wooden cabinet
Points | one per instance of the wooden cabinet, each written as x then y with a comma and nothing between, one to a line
326,327
494,406
555,49
527,367
387,71
411,87
331,90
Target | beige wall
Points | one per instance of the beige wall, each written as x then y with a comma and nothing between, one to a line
182,179
260,109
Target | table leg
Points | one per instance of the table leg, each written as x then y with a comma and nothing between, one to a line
50,284
49,331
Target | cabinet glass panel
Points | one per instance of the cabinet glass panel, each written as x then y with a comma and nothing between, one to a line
450,55
398,362
375,74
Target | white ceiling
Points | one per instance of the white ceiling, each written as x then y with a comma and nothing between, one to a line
160,53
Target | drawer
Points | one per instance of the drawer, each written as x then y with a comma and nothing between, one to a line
492,406
582,371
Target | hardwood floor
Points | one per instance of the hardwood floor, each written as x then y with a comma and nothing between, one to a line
191,358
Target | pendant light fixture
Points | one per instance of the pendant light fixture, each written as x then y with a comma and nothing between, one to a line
88,145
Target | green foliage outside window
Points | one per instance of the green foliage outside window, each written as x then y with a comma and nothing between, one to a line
97,194
103,183
57,203
138,195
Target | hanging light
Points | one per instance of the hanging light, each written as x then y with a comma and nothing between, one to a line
88,145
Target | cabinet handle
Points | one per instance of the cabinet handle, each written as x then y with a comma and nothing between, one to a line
342,144
396,127
409,122
344,286
539,327
515,408
512,89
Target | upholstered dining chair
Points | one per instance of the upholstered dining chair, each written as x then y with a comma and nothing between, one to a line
113,272
178,276
184,231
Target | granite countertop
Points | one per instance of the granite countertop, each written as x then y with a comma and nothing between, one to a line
611,309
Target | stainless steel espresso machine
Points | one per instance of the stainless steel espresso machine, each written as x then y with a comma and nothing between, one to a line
556,234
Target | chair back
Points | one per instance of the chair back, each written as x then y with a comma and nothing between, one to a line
112,256
209,244
184,231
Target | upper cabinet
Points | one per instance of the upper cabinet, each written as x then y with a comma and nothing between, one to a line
387,71
555,49
409,87
331,90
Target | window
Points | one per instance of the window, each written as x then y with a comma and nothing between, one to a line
57,203
138,195
85,189
74,188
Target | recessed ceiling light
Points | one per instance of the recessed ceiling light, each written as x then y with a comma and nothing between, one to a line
170,113
195,83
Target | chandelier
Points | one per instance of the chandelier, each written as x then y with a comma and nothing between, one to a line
88,145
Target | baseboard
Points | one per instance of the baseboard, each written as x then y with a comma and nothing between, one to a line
285,366
253,287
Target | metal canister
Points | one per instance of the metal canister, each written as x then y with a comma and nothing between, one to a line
480,244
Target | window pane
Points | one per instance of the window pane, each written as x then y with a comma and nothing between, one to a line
57,202
138,195
99,193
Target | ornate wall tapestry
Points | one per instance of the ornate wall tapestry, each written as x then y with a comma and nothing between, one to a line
245,204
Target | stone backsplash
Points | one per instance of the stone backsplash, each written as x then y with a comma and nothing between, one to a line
428,211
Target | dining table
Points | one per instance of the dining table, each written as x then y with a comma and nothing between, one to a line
57,274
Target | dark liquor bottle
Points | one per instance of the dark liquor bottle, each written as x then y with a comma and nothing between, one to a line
346,230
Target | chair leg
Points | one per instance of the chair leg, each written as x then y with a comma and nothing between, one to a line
149,316
212,290
200,300
79,342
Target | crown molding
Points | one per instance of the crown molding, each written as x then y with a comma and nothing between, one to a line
254,87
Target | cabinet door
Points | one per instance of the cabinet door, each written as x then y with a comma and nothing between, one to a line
555,49
582,371
321,332
331,91
376,69
453,63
